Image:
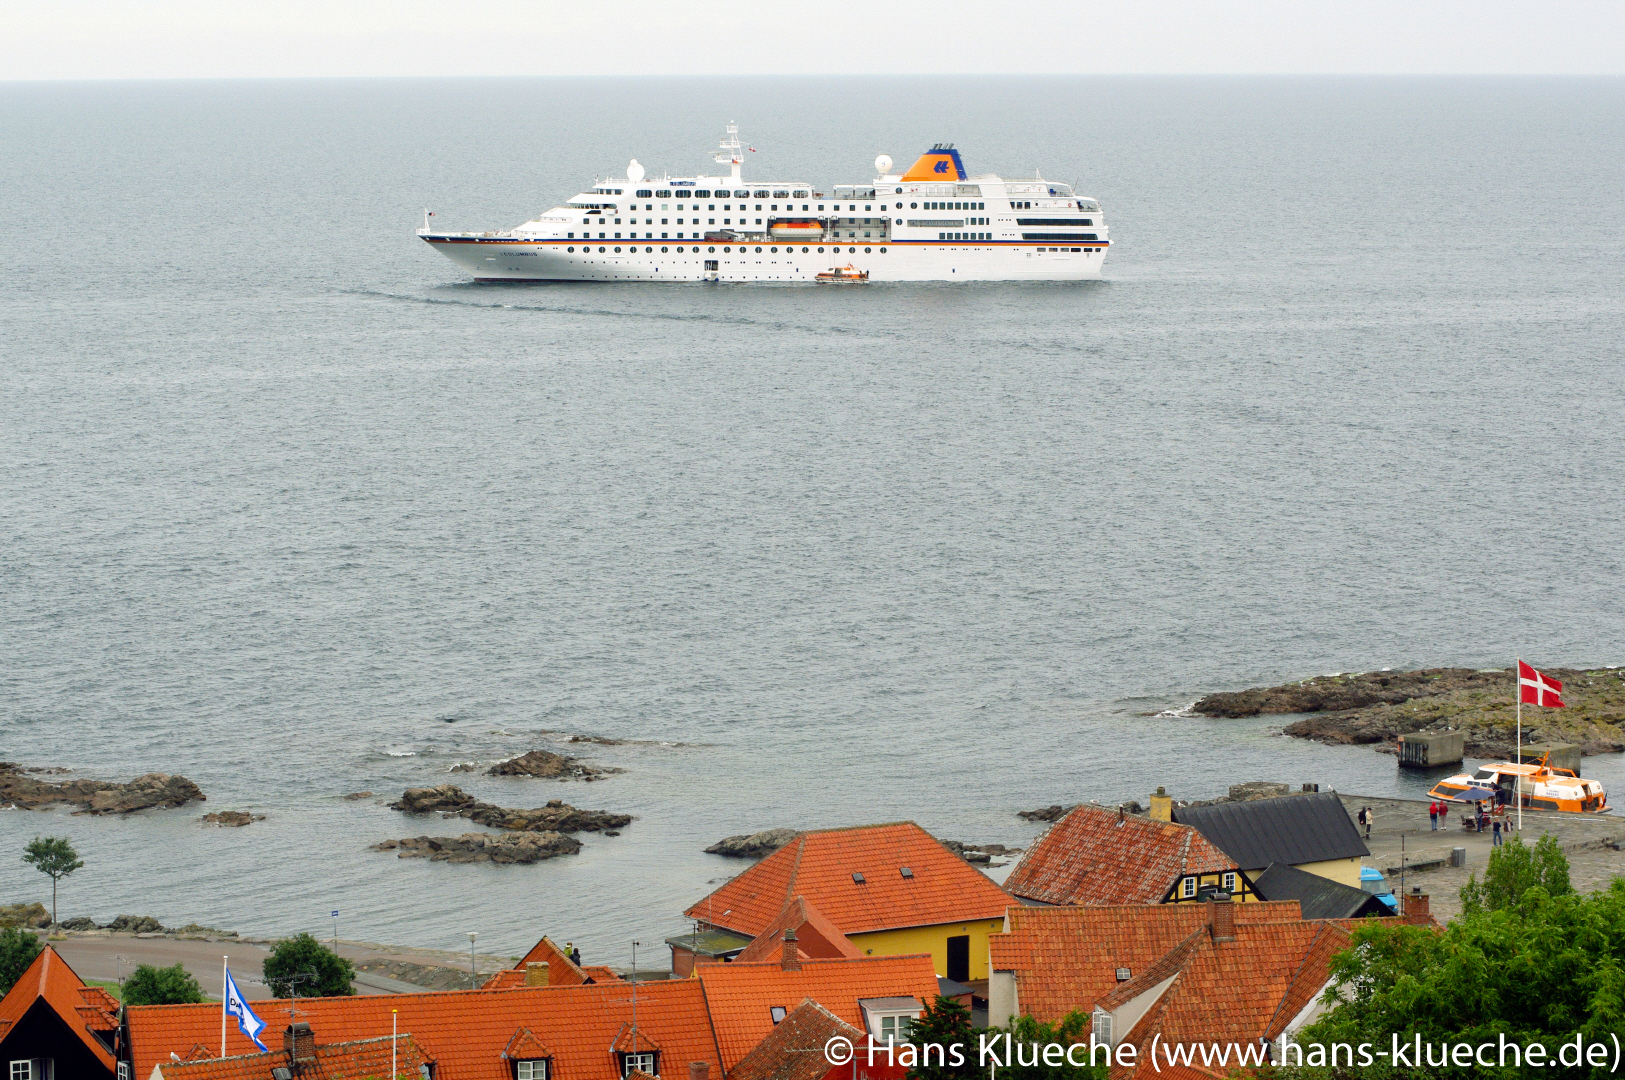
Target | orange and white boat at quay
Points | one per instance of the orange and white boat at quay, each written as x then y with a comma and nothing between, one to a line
933,221
1538,785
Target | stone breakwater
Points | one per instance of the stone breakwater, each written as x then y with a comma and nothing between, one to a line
23,789
546,765
1376,707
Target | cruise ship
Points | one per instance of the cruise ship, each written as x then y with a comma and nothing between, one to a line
930,222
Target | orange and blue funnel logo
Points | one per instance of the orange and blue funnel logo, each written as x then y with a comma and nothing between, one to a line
941,162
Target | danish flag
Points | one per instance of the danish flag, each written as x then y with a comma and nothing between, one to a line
1537,689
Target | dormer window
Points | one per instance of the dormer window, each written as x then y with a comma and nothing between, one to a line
643,1062
534,1069
777,1012
895,1028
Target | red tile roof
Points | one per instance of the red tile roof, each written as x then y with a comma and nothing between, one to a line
1241,991
1097,856
369,1057
83,1009
816,936
741,995
794,1049
1067,957
464,1031
819,866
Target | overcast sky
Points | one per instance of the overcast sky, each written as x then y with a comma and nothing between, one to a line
166,39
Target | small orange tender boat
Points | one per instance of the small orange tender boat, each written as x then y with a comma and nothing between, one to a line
1538,785
842,275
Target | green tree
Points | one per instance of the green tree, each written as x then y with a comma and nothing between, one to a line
304,967
150,985
1541,971
1029,1037
17,950
1515,868
55,857
944,1022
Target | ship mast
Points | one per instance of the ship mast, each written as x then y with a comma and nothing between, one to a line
728,152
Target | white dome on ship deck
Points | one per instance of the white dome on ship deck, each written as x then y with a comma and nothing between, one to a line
883,164
634,171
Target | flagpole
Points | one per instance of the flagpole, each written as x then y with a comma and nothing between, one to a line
1517,685
394,1032
225,973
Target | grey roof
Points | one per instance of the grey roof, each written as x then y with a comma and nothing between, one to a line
1293,829
1318,897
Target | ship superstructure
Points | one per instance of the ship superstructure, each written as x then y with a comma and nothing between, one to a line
932,222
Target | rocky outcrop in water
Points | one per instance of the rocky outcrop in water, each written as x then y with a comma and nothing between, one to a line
979,854
33,915
452,801
135,924
234,819
547,765
1047,813
754,845
501,848
27,792
1376,707
355,795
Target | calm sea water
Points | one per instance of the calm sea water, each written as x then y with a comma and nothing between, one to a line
289,507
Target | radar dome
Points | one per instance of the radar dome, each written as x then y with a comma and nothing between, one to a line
883,164
634,171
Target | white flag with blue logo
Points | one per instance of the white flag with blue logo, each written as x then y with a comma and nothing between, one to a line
250,1024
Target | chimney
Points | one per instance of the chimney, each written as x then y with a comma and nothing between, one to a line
790,960
1162,806
536,973
699,1070
300,1043
1222,919
1120,815
1416,907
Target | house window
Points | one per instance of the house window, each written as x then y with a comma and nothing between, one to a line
777,1012
1230,883
895,1028
124,1070
1187,888
36,1069
1101,1029
535,1069
643,1062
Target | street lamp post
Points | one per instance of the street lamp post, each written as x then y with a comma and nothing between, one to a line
472,983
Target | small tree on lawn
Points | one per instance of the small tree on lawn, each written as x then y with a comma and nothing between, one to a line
943,1023
162,986
305,967
54,857
17,950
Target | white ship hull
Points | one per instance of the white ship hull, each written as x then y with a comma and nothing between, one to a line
502,259
931,222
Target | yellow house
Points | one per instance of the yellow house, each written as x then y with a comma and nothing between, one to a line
889,889
1312,832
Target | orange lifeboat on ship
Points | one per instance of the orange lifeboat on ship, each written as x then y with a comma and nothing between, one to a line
797,230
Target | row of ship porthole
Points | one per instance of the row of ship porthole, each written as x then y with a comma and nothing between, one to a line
728,250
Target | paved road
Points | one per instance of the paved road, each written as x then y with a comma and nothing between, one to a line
98,958
1403,836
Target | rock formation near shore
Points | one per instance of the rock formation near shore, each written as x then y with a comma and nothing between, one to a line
235,819
1376,707
548,766
34,915
452,801
754,845
503,848
25,792
1047,813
